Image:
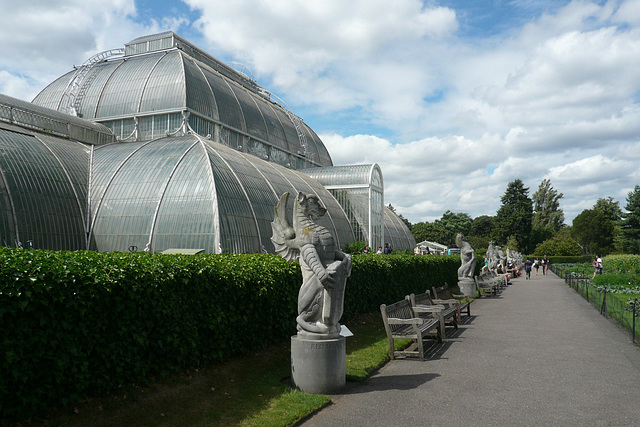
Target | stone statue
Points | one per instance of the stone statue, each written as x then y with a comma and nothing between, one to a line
467,258
466,282
492,258
324,267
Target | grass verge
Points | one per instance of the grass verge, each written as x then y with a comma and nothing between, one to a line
244,391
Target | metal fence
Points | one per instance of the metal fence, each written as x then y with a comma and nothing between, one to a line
624,311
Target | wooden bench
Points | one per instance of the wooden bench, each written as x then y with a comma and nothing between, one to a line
423,306
400,322
443,295
488,285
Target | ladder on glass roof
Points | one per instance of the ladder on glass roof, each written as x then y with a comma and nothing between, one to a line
68,102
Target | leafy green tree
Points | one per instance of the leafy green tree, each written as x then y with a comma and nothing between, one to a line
482,226
453,223
515,215
630,224
512,243
428,231
479,243
546,207
609,208
443,230
548,218
558,246
540,234
593,232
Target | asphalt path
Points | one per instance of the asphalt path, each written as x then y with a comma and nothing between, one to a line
538,354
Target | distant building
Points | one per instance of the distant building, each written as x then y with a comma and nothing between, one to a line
161,146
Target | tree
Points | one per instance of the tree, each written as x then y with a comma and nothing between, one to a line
630,224
515,215
593,232
512,243
482,226
453,223
443,230
428,231
546,207
609,208
558,246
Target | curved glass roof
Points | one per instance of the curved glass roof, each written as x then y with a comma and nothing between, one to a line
189,192
396,233
163,74
43,190
188,168
351,175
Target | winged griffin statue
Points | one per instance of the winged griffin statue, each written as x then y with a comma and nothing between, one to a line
324,267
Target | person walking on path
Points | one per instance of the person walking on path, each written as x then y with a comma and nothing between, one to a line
545,264
594,264
536,265
597,266
527,269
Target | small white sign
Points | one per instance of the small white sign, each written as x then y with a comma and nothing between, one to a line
345,332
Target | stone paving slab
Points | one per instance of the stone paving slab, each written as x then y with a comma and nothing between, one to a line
538,354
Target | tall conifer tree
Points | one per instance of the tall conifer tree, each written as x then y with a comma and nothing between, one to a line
515,215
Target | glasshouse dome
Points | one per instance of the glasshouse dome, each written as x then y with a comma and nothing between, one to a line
162,84
159,146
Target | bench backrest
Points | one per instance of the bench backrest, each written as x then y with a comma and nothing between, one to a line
399,310
442,292
420,299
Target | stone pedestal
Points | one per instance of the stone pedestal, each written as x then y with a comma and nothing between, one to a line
468,287
318,366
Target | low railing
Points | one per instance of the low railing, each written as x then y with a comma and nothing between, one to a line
624,312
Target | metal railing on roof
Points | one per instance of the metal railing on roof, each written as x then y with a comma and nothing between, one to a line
68,103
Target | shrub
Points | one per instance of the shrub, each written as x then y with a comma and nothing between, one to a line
77,323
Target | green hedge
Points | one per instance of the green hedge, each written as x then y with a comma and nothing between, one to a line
77,323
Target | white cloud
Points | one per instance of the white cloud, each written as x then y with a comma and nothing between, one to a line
457,116
41,40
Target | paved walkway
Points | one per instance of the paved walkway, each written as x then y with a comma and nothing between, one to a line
536,355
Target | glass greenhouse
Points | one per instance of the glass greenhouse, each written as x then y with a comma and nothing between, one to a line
162,84
160,146
360,190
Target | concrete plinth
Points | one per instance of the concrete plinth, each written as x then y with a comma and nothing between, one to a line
318,366
468,287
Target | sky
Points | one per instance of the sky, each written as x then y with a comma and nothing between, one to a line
453,99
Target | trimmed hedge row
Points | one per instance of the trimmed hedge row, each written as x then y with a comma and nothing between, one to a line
77,323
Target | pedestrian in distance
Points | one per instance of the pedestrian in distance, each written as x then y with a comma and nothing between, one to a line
599,259
527,269
536,265
597,266
545,265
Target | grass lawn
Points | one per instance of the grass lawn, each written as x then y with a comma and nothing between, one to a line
249,390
